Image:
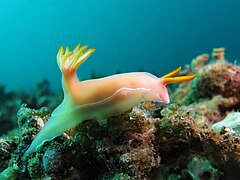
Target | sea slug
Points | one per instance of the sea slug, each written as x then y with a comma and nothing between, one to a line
99,98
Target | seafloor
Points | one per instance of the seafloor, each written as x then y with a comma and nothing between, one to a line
196,136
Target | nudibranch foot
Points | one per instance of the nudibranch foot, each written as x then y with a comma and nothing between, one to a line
55,126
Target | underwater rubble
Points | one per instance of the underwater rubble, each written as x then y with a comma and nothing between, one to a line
194,137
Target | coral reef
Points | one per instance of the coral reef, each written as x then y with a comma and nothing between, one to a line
197,137
179,136
41,95
198,62
220,78
8,110
218,54
192,168
230,124
216,89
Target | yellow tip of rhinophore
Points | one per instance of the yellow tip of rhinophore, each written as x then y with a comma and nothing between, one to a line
173,73
178,79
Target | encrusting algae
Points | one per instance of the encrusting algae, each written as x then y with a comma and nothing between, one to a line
152,140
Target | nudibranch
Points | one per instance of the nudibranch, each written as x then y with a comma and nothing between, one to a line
99,98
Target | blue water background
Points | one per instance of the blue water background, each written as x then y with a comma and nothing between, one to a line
130,35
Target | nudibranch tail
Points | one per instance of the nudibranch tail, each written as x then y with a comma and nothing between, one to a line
72,60
168,79
55,126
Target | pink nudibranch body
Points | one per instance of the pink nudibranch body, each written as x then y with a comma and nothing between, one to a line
99,98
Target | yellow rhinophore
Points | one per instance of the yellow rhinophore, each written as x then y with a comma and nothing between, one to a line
99,98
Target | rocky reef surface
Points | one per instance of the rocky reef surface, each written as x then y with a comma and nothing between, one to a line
40,96
194,137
